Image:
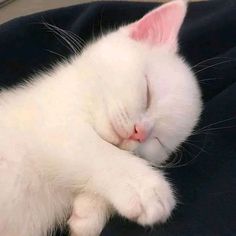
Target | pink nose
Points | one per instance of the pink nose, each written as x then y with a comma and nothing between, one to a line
139,134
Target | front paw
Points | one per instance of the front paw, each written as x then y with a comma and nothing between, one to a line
146,198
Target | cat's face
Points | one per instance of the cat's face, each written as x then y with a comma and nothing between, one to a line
148,100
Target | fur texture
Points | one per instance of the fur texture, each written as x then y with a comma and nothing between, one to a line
69,141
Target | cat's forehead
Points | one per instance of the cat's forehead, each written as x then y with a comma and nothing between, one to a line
119,45
117,53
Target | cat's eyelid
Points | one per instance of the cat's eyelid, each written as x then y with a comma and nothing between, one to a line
147,92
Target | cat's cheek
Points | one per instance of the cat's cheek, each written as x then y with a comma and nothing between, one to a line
152,151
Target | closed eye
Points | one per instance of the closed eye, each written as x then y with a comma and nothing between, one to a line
148,95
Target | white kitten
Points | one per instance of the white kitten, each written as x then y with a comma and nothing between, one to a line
72,134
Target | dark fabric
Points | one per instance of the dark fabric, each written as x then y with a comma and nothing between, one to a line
205,179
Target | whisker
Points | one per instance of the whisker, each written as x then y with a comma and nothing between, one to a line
73,37
61,40
203,80
203,132
56,53
81,40
216,64
190,161
210,59
176,160
101,21
78,38
59,36
186,150
70,40
65,36
219,128
208,79
196,146
218,122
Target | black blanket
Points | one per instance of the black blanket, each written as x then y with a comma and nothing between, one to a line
206,176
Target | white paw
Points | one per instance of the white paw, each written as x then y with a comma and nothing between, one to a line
146,198
84,226
89,216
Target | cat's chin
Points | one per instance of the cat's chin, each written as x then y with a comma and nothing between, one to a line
150,150
128,145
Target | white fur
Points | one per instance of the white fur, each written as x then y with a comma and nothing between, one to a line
65,137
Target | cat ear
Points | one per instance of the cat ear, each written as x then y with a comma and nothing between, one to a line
160,26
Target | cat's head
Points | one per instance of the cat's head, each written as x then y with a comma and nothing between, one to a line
147,98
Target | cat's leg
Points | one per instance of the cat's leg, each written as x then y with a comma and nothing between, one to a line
135,189
89,216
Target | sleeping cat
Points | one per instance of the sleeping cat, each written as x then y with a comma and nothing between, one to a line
70,141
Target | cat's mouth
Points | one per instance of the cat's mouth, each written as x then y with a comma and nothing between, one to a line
161,143
123,142
130,144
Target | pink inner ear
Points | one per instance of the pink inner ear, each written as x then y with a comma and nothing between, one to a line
161,25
